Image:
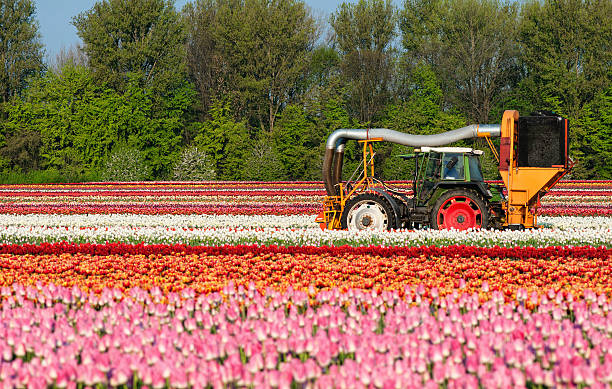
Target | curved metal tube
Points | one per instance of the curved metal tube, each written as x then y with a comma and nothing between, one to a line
334,149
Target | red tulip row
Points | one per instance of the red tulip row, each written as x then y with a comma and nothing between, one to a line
375,251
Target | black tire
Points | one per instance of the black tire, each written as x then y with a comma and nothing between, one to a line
460,209
371,208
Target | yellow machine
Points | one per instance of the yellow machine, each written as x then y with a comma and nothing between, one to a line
448,188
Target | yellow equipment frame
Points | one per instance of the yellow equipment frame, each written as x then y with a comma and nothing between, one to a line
331,216
526,185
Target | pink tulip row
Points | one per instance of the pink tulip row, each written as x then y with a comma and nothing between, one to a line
246,208
57,336
173,208
576,209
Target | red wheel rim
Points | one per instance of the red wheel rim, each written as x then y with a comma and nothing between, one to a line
460,213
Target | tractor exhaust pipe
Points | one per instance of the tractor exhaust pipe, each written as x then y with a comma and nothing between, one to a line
334,149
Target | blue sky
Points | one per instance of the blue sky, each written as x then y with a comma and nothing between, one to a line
54,17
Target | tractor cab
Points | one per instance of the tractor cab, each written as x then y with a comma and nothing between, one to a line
451,163
446,167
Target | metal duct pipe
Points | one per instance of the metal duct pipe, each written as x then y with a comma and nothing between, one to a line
337,164
334,150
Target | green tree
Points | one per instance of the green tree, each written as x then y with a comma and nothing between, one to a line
156,127
205,61
262,47
566,50
470,44
20,49
225,141
145,37
567,56
364,34
591,138
69,114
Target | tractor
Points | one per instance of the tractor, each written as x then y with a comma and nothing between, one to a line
448,190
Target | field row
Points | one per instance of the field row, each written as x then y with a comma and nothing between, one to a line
210,269
277,230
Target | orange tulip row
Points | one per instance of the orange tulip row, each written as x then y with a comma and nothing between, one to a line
343,269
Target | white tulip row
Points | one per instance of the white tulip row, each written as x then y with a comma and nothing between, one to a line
283,230
282,221
134,220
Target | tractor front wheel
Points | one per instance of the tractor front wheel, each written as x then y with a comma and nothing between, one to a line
459,209
367,212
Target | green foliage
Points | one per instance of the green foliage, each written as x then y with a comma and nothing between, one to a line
160,136
46,177
224,140
593,124
145,37
295,139
70,123
125,163
193,165
262,162
72,117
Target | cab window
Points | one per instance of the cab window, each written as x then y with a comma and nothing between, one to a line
475,172
433,165
452,166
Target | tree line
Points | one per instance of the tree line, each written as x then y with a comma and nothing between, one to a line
250,89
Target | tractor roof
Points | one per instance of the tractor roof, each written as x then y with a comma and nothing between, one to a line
426,149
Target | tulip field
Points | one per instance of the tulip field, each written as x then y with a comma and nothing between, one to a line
233,285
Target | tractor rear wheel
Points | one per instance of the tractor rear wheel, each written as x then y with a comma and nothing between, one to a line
459,209
367,211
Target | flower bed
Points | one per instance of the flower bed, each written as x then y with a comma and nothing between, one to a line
233,285
243,338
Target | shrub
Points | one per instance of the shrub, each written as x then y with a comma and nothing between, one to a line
125,163
194,165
